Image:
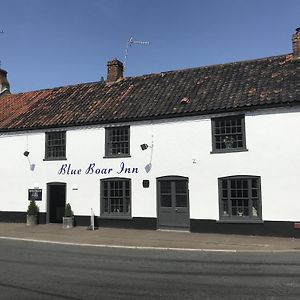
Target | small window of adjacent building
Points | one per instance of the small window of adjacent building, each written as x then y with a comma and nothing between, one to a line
117,140
55,145
240,198
116,197
228,134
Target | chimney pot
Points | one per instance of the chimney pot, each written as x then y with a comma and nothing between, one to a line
114,70
4,84
296,44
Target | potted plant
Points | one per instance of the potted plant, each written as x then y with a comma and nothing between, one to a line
32,213
68,218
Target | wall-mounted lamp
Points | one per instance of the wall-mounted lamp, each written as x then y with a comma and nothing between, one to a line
31,166
144,146
148,167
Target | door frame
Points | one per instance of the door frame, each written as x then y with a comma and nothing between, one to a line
49,184
172,178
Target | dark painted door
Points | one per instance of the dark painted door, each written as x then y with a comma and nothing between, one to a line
173,202
56,202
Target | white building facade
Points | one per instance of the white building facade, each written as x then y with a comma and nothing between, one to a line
180,151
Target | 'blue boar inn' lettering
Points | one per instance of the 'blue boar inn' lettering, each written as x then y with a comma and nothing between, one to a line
67,169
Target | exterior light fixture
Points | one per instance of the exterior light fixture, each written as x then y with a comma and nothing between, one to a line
148,167
144,146
26,153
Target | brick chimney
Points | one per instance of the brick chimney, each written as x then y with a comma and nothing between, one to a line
296,44
114,70
4,84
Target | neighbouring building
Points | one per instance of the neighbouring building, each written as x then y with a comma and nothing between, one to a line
207,149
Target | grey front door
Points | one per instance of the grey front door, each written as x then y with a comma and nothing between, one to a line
173,202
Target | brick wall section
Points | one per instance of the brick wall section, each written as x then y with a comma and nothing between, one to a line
114,70
296,44
4,85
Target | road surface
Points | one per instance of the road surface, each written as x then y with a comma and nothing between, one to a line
48,271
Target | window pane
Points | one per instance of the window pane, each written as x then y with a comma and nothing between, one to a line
254,208
127,205
105,204
225,208
165,186
240,207
116,205
165,200
105,189
254,193
181,187
232,184
181,200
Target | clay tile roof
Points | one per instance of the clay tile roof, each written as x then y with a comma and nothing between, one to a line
268,82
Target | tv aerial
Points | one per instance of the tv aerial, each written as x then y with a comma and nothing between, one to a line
129,43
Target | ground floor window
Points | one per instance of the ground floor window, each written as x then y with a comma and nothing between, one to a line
240,198
116,197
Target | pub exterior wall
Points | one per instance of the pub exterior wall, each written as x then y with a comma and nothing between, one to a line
181,146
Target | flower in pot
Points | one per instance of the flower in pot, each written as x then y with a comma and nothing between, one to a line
32,213
68,219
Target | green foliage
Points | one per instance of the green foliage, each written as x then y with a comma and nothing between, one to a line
32,209
68,211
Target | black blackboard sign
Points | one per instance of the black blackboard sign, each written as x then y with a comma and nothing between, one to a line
35,194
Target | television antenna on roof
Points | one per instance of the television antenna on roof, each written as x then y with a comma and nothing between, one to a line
129,43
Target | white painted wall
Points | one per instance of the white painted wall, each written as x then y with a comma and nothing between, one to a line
180,147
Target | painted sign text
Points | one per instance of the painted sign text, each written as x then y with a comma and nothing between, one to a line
92,168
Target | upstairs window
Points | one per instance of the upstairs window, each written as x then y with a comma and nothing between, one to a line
228,134
117,141
240,198
55,145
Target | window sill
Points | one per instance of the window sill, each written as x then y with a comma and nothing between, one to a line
54,159
241,221
107,217
228,151
117,156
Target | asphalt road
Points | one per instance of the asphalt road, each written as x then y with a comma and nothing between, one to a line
48,271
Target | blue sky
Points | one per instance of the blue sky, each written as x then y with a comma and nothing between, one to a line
62,42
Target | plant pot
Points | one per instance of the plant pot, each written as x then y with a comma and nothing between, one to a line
31,220
68,222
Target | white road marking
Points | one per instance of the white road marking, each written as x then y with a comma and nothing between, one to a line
147,247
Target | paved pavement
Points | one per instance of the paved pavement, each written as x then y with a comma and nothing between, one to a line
130,238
